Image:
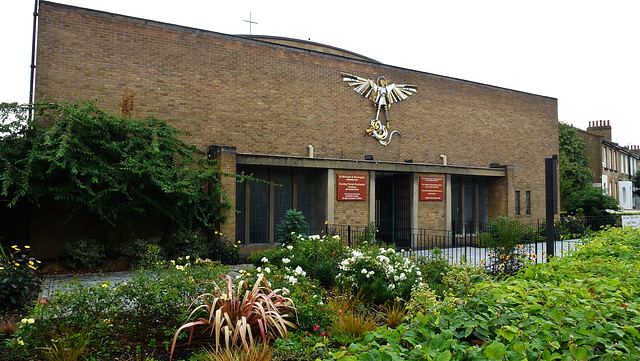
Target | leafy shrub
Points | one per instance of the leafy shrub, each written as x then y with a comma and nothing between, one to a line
143,253
194,244
189,242
224,249
240,318
18,281
368,234
423,301
85,253
87,161
462,276
293,223
505,241
306,293
150,306
594,206
582,306
317,255
571,227
381,273
433,269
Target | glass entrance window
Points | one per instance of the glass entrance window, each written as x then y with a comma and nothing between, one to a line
468,203
261,206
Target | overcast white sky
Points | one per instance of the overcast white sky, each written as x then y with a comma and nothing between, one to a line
584,53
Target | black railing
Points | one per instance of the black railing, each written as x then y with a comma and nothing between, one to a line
462,242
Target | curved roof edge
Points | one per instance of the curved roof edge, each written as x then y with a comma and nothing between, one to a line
310,45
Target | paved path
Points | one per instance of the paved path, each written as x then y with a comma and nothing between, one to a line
54,283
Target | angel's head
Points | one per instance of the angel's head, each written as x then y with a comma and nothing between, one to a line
382,81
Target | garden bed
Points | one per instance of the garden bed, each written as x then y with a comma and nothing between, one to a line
359,304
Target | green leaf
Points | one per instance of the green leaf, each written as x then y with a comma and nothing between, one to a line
495,351
443,356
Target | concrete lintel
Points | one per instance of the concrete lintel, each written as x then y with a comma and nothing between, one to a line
325,163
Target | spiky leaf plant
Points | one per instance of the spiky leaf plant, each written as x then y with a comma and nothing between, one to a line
235,318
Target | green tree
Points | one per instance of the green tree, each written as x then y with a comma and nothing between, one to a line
573,166
122,170
594,205
293,222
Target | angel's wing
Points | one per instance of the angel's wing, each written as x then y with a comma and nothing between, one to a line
398,92
366,87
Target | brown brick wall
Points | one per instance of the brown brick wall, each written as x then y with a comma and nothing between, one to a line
273,99
432,214
352,212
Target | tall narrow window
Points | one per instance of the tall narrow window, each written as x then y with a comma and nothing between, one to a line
528,203
259,208
517,203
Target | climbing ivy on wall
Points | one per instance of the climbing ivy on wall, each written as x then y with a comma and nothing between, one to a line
122,170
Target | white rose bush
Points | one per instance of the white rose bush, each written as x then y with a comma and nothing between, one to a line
381,273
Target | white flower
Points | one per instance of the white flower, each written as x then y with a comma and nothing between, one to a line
285,290
314,237
264,260
187,258
336,237
300,271
286,260
179,267
292,280
28,320
364,271
259,269
267,269
289,248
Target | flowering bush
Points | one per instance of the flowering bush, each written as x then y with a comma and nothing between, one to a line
18,281
381,273
505,241
193,243
317,255
305,292
152,305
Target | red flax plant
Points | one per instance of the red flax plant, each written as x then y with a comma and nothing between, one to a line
238,317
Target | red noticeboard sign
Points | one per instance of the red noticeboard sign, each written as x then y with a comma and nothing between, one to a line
352,187
431,188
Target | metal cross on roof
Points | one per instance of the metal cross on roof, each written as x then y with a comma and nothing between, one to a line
250,22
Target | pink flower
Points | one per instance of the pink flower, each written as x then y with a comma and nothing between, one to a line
315,328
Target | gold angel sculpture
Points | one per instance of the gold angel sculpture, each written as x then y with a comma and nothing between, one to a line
382,94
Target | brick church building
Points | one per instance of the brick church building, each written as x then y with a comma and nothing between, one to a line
408,150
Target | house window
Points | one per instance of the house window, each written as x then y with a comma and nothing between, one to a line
517,203
528,203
